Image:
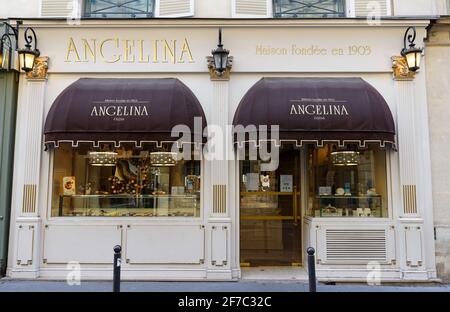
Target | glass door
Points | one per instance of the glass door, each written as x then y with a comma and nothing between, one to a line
270,215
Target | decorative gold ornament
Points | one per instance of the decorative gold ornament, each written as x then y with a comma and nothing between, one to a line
214,74
401,70
40,68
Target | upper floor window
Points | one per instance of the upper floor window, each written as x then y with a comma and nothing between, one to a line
119,8
309,8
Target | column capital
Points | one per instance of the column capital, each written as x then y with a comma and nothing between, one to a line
401,70
40,69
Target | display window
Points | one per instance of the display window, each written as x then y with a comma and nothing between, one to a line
124,182
347,182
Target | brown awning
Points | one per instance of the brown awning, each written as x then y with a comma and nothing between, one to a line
122,111
318,111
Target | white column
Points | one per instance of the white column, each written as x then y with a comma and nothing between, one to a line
219,222
415,212
24,249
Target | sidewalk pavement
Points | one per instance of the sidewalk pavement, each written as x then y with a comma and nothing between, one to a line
8,285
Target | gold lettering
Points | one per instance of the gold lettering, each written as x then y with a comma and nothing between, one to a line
170,49
186,49
88,48
72,49
117,57
141,52
128,56
155,51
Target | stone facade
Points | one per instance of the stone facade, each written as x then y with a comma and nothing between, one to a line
438,84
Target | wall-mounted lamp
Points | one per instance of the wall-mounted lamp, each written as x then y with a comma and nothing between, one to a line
412,54
27,55
220,62
6,45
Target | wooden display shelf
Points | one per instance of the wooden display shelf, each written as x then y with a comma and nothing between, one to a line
268,218
269,193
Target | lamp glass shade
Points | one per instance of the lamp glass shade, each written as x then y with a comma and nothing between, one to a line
218,61
27,58
224,61
413,58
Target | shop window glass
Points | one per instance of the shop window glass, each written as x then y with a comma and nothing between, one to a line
119,8
128,182
270,214
309,8
347,183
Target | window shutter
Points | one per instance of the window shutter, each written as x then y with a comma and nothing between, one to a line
56,8
174,8
365,8
251,8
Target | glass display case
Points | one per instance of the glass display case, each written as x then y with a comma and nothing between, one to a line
124,182
130,206
347,182
349,206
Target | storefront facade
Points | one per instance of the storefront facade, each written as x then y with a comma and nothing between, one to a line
363,198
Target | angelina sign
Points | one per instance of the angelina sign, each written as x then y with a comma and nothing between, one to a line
121,50
318,108
119,109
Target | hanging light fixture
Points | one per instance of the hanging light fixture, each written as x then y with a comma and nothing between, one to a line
412,54
220,56
28,55
345,158
6,45
163,159
102,159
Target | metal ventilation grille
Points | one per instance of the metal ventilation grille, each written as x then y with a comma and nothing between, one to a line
365,8
56,8
29,198
172,7
355,246
220,199
251,7
409,199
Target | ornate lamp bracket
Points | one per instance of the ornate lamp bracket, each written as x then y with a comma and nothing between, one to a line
401,70
40,69
216,75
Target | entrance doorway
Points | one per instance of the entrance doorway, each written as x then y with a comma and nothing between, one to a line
270,214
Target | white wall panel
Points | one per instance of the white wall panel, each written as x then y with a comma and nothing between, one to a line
90,244
176,244
219,245
25,242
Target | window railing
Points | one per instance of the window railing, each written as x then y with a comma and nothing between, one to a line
309,8
119,8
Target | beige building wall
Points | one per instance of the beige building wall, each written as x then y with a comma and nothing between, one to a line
438,81
215,8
